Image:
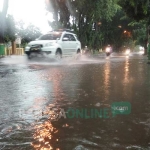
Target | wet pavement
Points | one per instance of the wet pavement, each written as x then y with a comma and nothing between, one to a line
33,91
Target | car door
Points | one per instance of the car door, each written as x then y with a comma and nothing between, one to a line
73,44
66,44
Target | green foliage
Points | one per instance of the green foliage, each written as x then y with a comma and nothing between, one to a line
136,9
27,34
3,21
139,31
9,33
89,19
97,21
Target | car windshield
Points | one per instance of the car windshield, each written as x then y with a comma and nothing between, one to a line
50,36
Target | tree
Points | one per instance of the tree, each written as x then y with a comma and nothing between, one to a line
27,34
91,14
138,10
3,20
84,15
10,29
97,23
139,30
60,13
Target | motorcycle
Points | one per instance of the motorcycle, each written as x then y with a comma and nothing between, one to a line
127,52
108,51
86,51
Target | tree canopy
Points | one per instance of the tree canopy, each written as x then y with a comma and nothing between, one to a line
99,22
92,21
86,17
28,33
3,25
136,9
96,22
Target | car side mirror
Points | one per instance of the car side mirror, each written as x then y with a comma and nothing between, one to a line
65,39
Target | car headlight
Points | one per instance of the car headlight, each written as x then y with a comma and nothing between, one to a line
48,44
28,45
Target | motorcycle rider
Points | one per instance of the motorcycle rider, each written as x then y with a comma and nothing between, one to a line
86,51
108,50
127,51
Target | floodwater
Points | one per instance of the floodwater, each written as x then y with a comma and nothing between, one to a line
32,92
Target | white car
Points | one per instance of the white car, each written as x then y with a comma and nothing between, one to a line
55,43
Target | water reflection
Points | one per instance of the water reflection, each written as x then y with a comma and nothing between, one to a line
127,80
44,132
56,77
107,80
126,71
43,136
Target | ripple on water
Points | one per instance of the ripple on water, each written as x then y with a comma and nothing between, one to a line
80,147
15,136
135,147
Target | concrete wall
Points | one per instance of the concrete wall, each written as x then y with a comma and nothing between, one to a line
17,51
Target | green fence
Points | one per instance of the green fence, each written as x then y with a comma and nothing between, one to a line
2,49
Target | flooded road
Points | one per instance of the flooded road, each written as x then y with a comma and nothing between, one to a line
33,94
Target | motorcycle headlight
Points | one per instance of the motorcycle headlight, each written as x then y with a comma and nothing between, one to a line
107,49
127,51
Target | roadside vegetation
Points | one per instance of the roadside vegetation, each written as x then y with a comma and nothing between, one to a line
97,24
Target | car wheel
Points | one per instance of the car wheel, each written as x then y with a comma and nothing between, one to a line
28,56
58,54
78,55
78,51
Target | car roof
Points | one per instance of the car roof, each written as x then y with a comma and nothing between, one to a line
62,30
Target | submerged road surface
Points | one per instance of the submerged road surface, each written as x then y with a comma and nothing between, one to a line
70,105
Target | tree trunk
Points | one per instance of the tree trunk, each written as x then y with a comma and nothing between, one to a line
13,43
147,37
79,25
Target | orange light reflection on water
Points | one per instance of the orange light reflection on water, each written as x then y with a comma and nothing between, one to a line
106,80
126,71
43,136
